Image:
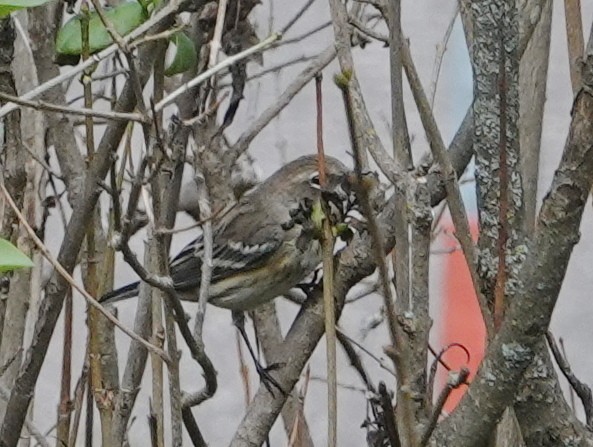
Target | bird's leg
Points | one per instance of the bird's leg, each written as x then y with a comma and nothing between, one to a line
308,286
262,371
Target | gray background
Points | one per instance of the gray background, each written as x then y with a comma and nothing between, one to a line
293,134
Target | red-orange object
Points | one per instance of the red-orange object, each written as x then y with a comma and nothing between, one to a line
462,321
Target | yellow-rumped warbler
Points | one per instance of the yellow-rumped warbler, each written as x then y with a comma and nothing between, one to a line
259,252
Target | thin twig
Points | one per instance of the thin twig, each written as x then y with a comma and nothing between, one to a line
110,75
301,37
243,369
380,362
297,16
327,242
276,68
438,59
343,83
45,166
438,358
157,254
166,11
81,386
210,111
193,226
115,36
455,381
212,71
158,36
299,417
367,31
582,390
207,262
62,271
342,386
243,142
571,390
82,111
388,416
215,43
456,207
124,48
575,41
355,361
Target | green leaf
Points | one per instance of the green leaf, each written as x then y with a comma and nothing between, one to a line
7,6
12,258
124,17
185,55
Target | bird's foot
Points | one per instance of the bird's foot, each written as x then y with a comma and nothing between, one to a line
307,287
266,378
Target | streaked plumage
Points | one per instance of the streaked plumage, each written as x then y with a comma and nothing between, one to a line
255,257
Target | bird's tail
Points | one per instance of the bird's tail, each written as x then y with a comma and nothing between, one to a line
123,293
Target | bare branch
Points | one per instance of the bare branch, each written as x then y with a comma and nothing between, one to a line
204,76
42,105
62,271
582,390
81,216
575,40
456,379
283,100
454,199
541,276
160,16
327,244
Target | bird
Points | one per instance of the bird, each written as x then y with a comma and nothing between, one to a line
256,257
264,245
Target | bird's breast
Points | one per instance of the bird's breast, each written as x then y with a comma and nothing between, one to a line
285,270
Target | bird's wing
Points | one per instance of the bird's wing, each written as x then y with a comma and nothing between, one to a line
238,245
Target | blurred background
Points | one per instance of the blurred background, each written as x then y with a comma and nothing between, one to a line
291,134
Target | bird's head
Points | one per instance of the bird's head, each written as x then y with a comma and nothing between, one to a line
301,184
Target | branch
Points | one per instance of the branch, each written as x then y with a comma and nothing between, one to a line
160,16
30,426
540,279
82,111
82,215
327,247
369,138
212,71
582,390
62,271
540,391
320,62
575,40
265,319
496,146
352,265
458,213
455,380
460,149
533,75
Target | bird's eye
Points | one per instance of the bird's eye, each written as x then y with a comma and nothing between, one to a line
314,180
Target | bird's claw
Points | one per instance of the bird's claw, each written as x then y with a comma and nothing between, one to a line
307,287
266,378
